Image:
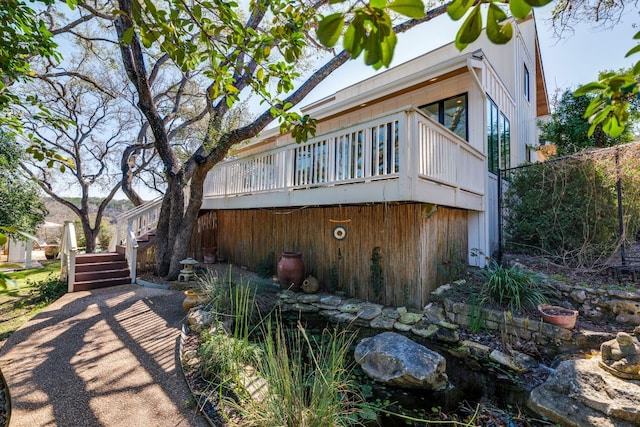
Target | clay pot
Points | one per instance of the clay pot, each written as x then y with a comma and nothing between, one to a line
209,255
310,285
192,298
291,270
558,316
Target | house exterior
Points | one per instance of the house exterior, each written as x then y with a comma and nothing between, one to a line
400,179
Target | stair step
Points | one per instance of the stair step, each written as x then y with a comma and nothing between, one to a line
87,286
101,266
101,257
97,275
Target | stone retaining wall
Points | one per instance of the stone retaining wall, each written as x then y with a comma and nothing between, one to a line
439,321
621,305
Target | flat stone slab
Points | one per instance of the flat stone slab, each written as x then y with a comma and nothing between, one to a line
579,393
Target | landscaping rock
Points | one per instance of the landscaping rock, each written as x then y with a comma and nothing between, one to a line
305,308
369,311
477,349
382,322
403,327
410,318
425,332
518,362
447,335
624,306
580,393
350,307
344,317
308,298
198,318
394,359
579,295
633,319
433,314
391,313
330,300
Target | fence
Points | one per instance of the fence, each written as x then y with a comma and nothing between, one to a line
581,210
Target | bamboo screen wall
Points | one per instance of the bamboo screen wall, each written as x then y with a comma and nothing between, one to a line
413,239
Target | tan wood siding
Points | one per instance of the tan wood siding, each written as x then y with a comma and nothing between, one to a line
411,244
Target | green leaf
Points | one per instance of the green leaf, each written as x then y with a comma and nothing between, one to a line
636,49
329,29
588,88
409,8
3,239
458,8
378,4
497,33
538,3
471,27
612,126
127,36
519,8
353,40
387,48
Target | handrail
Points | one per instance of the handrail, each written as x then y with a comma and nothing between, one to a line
68,251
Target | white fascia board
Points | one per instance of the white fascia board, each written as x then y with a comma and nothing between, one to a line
334,104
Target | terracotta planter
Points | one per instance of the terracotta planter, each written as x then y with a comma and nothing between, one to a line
192,298
209,255
291,270
558,316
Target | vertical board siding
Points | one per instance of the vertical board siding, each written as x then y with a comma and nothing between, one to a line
411,244
443,239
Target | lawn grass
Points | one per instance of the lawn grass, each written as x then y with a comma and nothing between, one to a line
18,303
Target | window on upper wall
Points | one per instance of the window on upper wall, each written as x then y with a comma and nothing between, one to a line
505,142
451,113
498,138
527,84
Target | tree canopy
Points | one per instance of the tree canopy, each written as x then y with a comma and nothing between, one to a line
20,206
568,128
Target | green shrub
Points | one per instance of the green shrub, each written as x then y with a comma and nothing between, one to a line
514,288
224,357
566,209
48,290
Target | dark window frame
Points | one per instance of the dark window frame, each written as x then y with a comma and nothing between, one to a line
527,83
441,111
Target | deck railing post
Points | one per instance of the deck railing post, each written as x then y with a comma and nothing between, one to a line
131,253
68,250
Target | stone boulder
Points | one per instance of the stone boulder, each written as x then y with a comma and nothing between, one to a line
394,359
580,393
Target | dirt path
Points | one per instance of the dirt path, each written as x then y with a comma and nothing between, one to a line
100,358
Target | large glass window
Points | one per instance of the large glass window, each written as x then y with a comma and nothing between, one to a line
451,113
505,142
498,138
493,153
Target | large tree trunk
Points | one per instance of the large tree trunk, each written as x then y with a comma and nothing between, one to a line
185,230
169,223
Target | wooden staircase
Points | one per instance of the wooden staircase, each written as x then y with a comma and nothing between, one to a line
100,271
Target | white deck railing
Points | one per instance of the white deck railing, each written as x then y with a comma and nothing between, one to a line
139,221
375,149
448,159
